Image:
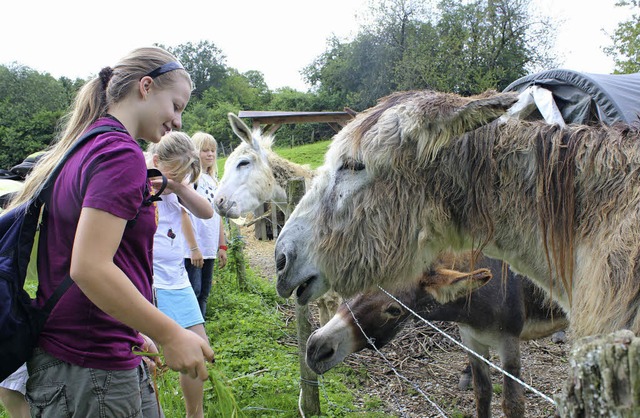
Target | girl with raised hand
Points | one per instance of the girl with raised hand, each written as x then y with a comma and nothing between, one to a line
176,157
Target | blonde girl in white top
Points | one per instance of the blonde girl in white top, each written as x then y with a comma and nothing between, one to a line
209,233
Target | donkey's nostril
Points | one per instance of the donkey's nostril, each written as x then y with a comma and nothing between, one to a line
326,353
281,262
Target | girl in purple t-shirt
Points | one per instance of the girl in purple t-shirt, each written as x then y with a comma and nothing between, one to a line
98,229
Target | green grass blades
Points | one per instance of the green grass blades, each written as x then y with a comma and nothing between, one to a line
224,403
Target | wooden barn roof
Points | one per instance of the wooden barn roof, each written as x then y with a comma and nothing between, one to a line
274,119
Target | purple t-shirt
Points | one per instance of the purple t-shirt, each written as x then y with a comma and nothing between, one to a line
107,173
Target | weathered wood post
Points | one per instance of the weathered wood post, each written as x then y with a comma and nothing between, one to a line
309,402
604,377
260,230
236,247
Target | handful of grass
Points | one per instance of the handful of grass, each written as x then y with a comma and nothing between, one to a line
225,404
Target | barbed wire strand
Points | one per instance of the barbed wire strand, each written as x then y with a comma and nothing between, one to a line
467,349
400,376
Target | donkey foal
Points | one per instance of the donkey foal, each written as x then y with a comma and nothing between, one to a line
497,315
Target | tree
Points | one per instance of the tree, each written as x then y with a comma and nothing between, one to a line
626,41
204,62
31,105
452,45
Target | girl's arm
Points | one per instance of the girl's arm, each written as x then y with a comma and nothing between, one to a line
189,198
95,273
190,237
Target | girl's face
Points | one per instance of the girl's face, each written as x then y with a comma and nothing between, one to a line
162,109
207,157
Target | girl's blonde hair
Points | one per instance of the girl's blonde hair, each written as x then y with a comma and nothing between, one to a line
177,152
92,102
202,141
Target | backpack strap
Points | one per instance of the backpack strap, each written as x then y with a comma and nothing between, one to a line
57,294
153,197
45,192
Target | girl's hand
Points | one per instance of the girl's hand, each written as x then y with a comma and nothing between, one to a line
172,186
197,259
149,346
222,258
186,352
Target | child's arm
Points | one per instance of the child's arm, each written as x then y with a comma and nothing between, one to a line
190,237
198,205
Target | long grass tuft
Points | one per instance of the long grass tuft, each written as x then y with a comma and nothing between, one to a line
224,404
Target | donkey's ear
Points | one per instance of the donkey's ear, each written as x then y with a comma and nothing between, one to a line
447,285
241,129
480,110
451,116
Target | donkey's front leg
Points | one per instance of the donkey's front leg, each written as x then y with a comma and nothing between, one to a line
482,388
513,393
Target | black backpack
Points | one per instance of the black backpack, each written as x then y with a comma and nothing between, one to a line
20,321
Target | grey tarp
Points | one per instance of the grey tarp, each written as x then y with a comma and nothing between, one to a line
589,98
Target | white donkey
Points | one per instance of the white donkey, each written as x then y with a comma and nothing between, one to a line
255,174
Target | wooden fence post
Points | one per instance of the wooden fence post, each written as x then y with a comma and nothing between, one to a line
604,377
237,248
309,402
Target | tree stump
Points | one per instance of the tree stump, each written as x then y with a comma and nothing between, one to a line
604,378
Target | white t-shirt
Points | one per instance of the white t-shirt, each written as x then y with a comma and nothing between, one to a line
168,246
207,231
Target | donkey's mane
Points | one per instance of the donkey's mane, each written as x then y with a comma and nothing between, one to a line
284,170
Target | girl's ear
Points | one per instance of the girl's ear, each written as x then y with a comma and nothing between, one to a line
155,160
144,85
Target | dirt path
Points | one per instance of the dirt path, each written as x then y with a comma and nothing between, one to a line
433,363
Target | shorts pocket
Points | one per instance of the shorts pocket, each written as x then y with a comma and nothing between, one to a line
48,401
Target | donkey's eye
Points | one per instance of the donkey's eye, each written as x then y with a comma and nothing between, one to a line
243,163
352,165
393,311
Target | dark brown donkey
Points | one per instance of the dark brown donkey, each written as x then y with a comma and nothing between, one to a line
497,315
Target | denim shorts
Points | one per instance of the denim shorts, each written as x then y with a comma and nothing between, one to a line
180,305
59,389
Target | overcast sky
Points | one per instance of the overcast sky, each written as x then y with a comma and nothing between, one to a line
76,38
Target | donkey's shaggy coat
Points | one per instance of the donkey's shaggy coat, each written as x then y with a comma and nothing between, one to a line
424,171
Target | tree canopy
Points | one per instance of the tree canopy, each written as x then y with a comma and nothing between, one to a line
449,45
462,46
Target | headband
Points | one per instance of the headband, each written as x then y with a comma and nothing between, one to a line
165,68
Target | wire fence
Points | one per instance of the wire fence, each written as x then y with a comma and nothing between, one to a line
437,409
